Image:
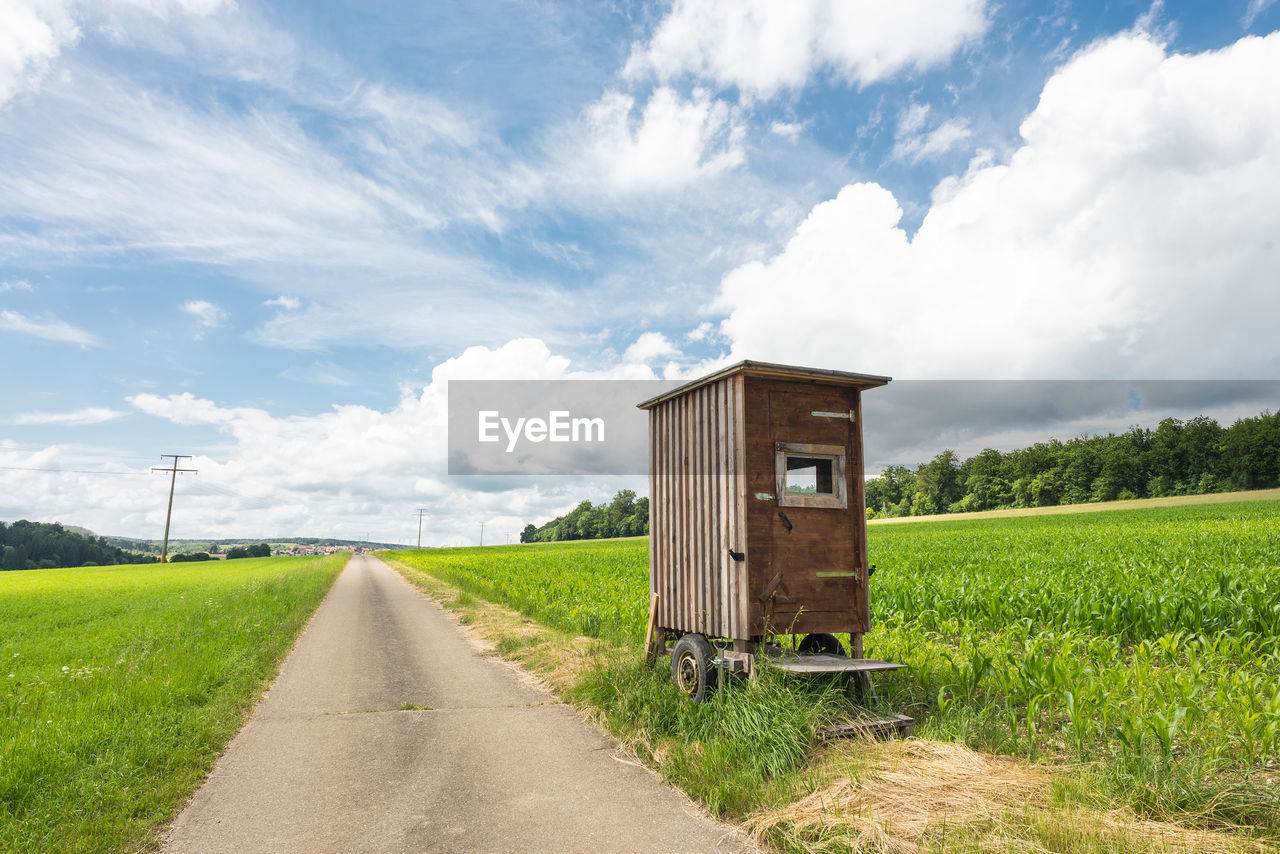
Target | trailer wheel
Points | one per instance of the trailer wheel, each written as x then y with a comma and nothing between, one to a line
691,667
821,642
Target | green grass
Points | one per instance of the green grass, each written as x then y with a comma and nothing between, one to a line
120,686
1139,647
596,588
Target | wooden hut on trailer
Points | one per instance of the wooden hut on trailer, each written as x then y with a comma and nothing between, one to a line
758,522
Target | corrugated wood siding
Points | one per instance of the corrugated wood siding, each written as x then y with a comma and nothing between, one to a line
698,511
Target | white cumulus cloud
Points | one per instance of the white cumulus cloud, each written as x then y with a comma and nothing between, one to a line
32,34
649,346
1132,234
353,467
762,47
699,332
671,142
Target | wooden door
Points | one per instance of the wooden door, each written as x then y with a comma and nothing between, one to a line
816,546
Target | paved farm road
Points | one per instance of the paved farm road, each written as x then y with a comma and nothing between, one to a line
330,763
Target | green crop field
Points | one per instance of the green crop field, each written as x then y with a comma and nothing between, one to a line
122,684
1141,645
597,588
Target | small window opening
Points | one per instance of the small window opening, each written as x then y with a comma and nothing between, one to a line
810,475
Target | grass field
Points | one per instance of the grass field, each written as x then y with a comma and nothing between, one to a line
122,684
1136,651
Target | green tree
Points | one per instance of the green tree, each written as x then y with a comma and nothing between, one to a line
15,557
938,482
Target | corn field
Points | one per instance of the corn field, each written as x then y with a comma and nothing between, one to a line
1145,643
1136,634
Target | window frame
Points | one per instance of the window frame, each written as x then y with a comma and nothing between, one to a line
840,481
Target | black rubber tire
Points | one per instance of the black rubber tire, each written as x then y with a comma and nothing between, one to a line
821,642
691,667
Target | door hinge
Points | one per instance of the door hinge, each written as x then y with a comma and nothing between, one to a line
849,415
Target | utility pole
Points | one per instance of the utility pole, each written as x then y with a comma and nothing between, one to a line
421,513
173,479
482,533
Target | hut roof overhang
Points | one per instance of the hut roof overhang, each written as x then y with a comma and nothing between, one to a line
769,370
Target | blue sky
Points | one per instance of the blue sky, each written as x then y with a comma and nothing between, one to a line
266,234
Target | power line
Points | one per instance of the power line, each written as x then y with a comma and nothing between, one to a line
73,471
198,489
207,488
173,479
93,450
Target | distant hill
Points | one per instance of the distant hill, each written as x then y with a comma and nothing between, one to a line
193,545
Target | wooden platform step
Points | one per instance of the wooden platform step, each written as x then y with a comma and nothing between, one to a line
870,728
825,663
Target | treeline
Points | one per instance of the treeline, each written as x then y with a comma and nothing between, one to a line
38,545
213,546
256,550
624,516
1177,458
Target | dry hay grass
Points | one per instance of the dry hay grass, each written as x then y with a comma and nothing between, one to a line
560,661
915,787
912,795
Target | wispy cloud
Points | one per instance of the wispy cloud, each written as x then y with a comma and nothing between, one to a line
48,329
206,313
286,302
19,285
1256,8
89,415
298,174
787,130
321,373
913,142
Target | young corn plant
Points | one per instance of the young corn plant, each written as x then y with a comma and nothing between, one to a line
1165,728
